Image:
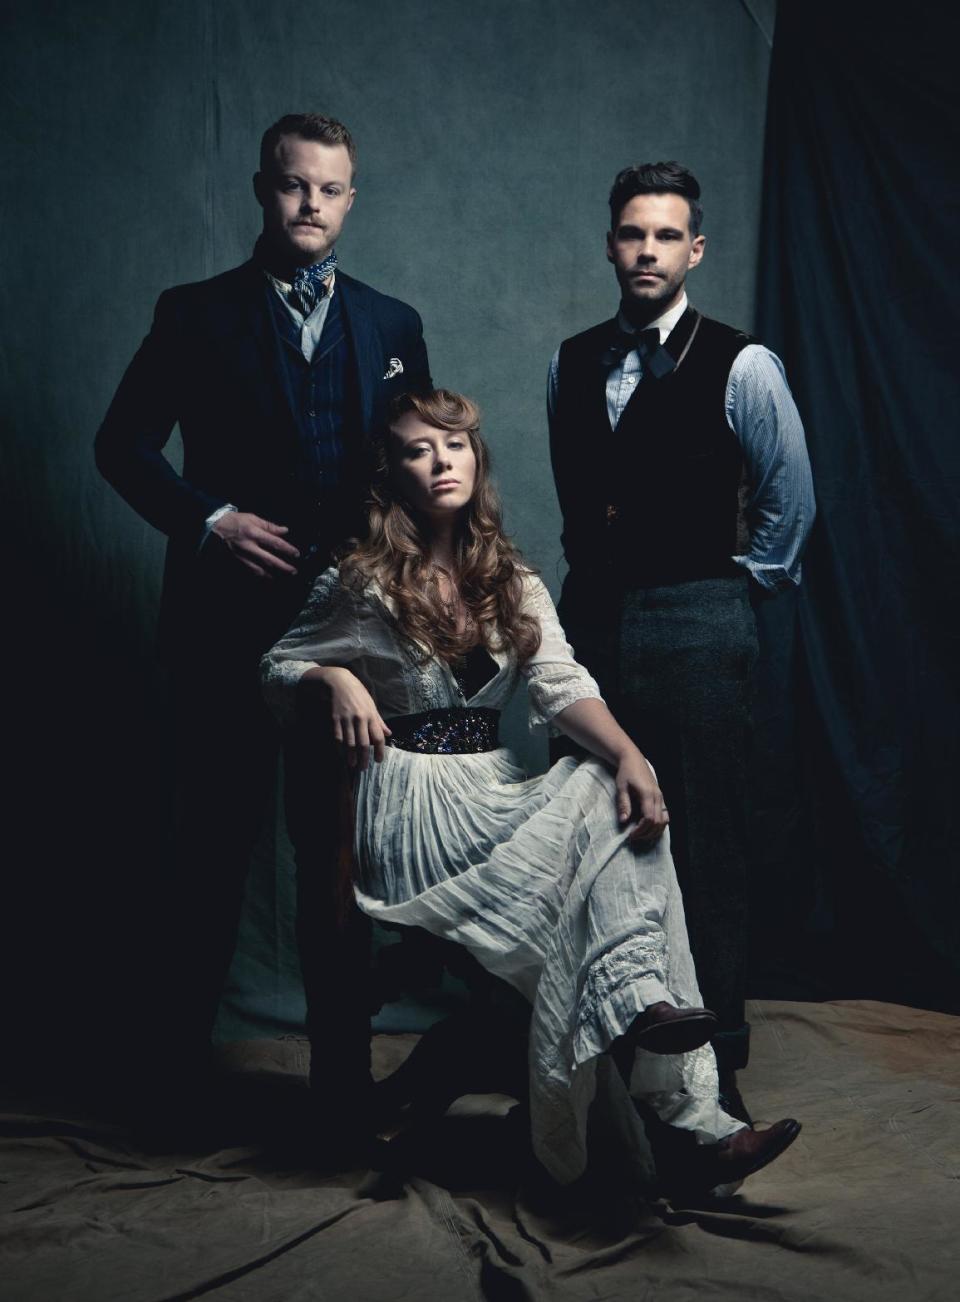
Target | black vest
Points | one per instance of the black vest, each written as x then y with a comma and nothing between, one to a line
659,499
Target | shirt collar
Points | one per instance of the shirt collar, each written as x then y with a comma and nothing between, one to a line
284,288
663,323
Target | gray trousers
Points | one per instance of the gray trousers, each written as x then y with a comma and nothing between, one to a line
675,665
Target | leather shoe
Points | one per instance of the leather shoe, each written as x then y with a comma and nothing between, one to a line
734,1158
661,1028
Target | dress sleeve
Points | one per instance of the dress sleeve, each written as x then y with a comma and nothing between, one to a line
554,678
326,632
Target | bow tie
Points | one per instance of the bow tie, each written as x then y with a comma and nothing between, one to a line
308,284
645,341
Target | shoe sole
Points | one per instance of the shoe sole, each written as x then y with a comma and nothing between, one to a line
677,1037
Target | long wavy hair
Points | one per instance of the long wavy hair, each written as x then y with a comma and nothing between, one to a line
488,570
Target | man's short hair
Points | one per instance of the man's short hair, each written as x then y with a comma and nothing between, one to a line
309,126
656,178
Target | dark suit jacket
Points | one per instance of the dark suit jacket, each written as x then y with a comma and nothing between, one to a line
211,363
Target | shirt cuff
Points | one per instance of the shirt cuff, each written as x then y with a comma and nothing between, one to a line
212,519
772,577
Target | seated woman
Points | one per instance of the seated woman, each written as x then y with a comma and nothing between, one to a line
562,885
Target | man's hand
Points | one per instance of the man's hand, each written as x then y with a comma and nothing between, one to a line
639,797
257,543
356,721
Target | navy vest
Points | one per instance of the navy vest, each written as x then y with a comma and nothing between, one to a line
324,396
658,500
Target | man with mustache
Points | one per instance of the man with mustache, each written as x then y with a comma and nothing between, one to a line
277,372
683,478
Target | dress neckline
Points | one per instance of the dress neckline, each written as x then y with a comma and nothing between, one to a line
474,670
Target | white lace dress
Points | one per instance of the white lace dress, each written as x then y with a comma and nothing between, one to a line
532,875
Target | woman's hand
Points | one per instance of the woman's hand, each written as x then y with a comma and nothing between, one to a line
591,724
356,720
639,797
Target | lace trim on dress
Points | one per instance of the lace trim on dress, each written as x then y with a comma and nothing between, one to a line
324,600
427,682
632,959
279,674
554,679
548,698
700,1073
280,688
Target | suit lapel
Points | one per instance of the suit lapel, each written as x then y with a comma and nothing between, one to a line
367,347
256,345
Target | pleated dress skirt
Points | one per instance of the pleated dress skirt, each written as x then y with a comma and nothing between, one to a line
535,878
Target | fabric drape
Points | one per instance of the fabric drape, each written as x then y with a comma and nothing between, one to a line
858,295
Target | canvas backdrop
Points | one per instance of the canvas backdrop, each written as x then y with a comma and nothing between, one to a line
488,137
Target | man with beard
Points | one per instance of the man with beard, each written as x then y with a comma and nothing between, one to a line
277,372
685,487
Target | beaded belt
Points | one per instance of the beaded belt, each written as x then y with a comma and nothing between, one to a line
453,731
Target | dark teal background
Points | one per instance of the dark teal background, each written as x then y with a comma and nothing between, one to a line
488,137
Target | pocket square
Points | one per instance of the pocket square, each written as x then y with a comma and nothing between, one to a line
394,367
